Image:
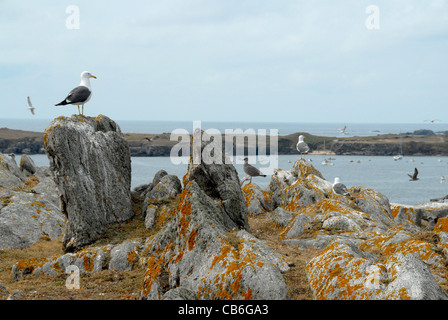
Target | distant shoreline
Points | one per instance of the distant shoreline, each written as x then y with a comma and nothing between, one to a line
147,145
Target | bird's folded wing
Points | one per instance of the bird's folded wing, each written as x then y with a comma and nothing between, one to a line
79,94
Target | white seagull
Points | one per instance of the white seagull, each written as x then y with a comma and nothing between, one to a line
81,94
30,105
340,188
302,147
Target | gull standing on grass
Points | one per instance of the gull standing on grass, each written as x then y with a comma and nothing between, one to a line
302,147
81,94
251,170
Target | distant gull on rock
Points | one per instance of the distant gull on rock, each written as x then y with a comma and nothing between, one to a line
81,94
30,105
340,188
302,147
251,170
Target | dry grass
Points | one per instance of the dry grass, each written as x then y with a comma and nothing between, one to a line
104,285
296,279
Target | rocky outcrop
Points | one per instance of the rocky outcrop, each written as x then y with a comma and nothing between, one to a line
359,246
198,252
123,256
257,200
29,206
371,249
90,162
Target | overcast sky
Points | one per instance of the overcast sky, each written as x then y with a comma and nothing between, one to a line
228,60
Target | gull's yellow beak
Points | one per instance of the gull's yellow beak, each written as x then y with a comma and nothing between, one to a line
93,76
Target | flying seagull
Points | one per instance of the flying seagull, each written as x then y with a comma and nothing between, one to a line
30,105
340,188
302,147
81,94
433,120
251,170
414,176
343,129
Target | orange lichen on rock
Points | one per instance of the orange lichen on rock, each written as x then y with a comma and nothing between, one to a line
442,225
27,266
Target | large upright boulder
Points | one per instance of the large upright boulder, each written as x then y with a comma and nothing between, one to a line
91,165
198,253
219,180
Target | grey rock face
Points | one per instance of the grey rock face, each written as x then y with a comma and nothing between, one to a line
27,165
10,175
90,162
124,256
167,188
27,213
219,181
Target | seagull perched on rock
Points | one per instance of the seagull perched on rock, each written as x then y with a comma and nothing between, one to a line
30,105
81,94
414,176
302,147
251,171
340,188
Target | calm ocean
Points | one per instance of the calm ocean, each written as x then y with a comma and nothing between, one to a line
380,173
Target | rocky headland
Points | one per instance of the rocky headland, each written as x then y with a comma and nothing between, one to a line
206,237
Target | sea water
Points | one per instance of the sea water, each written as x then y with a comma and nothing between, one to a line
380,173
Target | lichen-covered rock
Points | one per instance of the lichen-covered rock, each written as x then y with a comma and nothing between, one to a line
421,215
411,279
297,226
345,272
396,240
125,256
87,260
121,257
150,216
257,200
298,187
179,293
281,217
91,165
168,187
30,212
27,165
373,203
197,251
27,217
